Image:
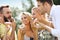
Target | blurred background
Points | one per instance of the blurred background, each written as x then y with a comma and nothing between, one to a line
18,6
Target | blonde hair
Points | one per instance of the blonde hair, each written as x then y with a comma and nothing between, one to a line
29,16
32,9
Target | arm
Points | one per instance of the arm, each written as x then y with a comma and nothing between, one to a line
13,23
46,23
41,17
19,35
46,27
56,23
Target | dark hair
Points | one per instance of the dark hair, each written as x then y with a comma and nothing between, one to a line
1,8
0,11
48,1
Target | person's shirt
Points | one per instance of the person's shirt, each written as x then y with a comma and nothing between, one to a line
55,14
3,30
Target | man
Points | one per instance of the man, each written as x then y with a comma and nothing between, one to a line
46,6
6,11
1,29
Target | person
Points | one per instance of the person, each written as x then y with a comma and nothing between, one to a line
7,15
2,26
36,23
21,33
42,30
3,29
35,14
52,10
26,18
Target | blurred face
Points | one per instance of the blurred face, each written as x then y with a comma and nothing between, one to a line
33,14
45,8
25,19
1,15
41,7
7,13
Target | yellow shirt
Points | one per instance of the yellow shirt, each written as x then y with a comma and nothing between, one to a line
2,30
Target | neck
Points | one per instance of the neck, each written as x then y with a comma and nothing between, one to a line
27,24
49,10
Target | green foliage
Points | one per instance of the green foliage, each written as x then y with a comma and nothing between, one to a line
57,2
29,10
16,11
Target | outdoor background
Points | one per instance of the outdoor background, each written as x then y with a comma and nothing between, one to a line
18,6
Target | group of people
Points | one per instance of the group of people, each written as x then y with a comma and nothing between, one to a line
31,22
37,20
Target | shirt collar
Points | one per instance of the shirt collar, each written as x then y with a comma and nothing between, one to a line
52,9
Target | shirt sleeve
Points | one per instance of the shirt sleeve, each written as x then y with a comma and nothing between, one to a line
57,18
55,32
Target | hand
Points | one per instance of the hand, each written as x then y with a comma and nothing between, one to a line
22,31
37,14
8,23
36,23
11,19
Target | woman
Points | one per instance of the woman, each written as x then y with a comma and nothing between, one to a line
36,13
37,27
28,33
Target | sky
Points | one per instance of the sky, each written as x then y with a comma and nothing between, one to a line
14,3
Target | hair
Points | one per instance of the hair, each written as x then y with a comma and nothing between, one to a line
48,1
27,14
33,9
1,8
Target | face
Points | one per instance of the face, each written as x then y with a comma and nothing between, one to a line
41,7
25,19
1,15
33,14
7,12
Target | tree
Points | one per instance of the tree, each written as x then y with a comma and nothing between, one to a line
57,2
31,2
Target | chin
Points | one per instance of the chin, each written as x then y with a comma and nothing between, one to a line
26,23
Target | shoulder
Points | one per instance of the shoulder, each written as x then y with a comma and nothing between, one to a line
55,9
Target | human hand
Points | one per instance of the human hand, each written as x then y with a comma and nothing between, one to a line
37,14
